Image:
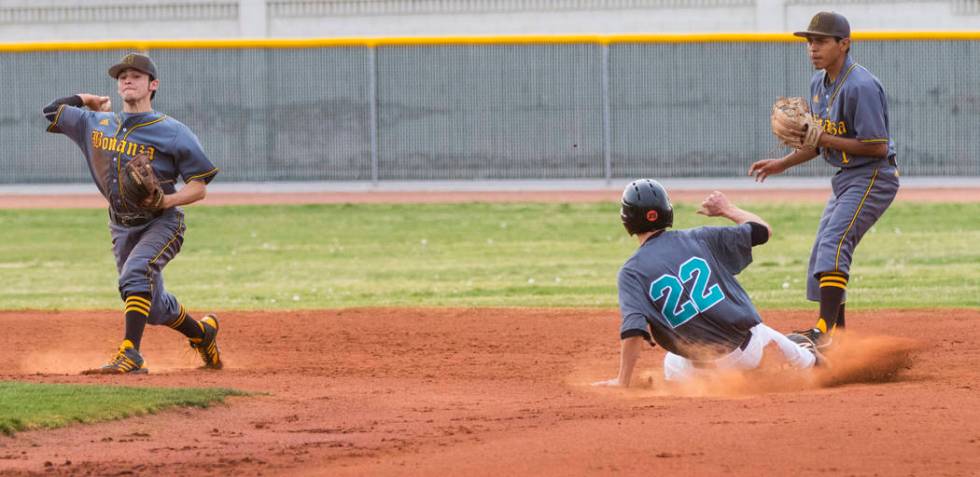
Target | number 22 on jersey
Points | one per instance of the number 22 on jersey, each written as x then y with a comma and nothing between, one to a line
678,313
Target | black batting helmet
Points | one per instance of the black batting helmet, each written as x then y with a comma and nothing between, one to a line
645,207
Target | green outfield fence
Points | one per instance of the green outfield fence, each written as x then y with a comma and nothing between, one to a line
521,107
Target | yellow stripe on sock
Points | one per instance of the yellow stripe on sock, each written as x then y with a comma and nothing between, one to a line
139,299
137,303
835,285
137,306
840,280
179,321
138,310
821,325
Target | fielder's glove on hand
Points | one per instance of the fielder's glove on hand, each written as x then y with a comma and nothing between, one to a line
140,187
793,124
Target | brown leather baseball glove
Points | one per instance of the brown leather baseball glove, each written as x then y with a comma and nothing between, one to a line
793,124
141,189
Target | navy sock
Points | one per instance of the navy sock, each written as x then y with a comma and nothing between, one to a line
137,311
832,288
187,325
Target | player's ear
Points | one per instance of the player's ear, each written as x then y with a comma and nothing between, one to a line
154,84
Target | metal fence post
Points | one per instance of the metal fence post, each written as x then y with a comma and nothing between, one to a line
373,100
606,126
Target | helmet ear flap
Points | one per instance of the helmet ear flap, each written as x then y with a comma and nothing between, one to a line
626,215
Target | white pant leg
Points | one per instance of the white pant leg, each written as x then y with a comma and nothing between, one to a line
677,368
797,356
762,336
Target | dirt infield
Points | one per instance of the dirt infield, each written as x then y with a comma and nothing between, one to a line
503,392
93,200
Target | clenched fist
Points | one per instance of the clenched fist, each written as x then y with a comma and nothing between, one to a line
715,204
96,103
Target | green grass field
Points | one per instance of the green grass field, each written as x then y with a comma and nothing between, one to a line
25,406
326,256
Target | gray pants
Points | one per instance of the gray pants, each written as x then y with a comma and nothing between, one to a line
141,253
860,197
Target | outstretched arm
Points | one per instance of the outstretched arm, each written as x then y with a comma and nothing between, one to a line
770,167
629,354
51,110
717,205
91,101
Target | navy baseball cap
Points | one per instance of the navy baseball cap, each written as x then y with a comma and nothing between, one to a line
827,24
136,61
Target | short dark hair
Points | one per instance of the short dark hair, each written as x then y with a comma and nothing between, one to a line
838,38
154,93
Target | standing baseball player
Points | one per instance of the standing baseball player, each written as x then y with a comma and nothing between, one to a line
851,132
135,158
679,290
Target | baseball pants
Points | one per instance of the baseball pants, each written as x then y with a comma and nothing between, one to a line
141,254
678,368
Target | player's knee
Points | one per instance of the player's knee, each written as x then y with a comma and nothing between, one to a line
135,277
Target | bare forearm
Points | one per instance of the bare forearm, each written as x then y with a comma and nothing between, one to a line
629,354
854,147
192,192
741,216
798,156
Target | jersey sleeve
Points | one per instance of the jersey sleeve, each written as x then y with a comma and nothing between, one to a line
70,121
192,163
730,246
632,298
866,105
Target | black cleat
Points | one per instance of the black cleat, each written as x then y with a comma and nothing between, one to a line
803,341
820,339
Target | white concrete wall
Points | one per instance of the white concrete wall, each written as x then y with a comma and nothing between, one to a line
881,15
583,21
55,20
64,20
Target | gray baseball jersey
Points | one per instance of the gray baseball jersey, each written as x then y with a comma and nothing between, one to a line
108,142
852,106
681,284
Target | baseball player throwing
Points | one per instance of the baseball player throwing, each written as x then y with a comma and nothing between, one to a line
145,151
679,290
850,131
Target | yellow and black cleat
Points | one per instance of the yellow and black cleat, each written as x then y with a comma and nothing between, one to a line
127,361
207,347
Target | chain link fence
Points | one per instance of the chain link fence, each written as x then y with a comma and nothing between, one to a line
497,110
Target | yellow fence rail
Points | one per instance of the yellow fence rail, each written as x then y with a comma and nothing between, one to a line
286,43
